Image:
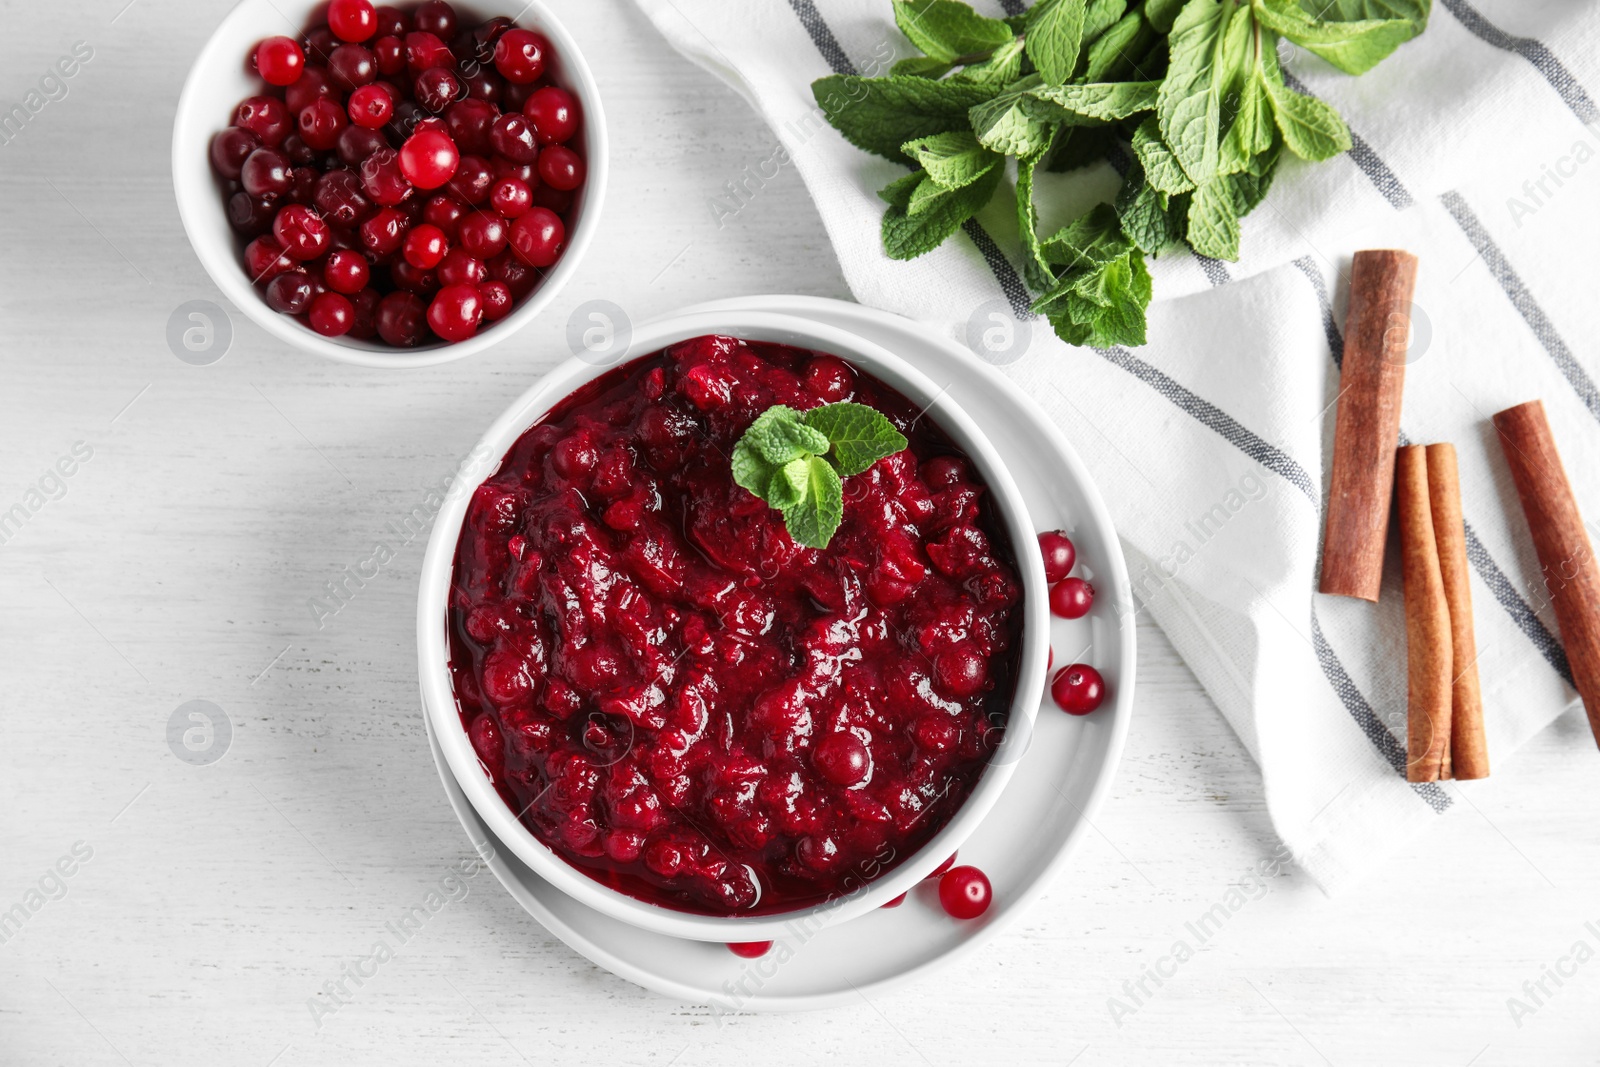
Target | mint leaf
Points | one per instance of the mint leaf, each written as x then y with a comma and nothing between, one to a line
790,483
1008,123
751,470
1310,128
779,435
1412,11
1035,271
1108,55
1145,214
1213,221
952,159
878,115
947,30
859,435
1103,306
907,235
1081,146
1100,15
812,522
1161,167
1355,46
999,70
1163,13
921,67
1091,240
1189,106
1055,34
1098,102
1251,132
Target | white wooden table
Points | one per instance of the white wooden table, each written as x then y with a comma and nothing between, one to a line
176,564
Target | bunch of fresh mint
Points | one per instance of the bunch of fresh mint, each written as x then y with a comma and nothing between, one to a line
797,462
1188,91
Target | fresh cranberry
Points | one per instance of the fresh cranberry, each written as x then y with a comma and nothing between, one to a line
436,17
750,950
352,66
299,153
357,143
896,902
265,259
266,172
436,87
538,238
339,198
511,198
842,758
961,672
389,53
444,212
425,246
513,97
229,150
943,867
249,215
485,36
1071,598
496,298
456,312
1078,689
473,180
561,168
346,272
483,234
279,60
519,56
827,376
484,84
428,159
392,22
413,279
289,293
266,117
965,893
518,276
402,319
382,179
1059,555
425,50
332,314
470,122
303,188
366,303
557,200
310,87
383,231
352,20
554,114
301,232
321,123
512,137
459,267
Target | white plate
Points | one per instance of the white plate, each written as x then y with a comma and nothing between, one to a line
1037,822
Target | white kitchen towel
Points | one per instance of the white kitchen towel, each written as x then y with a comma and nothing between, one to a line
1474,147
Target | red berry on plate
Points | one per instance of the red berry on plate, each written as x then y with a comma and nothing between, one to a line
496,300
519,56
390,55
266,117
945,866
1059,555
352,66
346,271
554,114
896,902
965,893
392,22
371,107
455,312
352,20
428,159
265,259
539,237
511,198
842,758
483,234
444,212
436,17
402,319
289,293
437,87
1071,598
425,50
383,231
230,148
424,246
301,232
1078,689
382,179
332,314
460,267
266,172
561,168
322,122
279,60
750,950
512,137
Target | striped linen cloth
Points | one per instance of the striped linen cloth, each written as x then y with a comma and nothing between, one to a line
1475,147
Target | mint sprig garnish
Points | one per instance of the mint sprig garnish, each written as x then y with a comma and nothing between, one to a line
1189,91
797,462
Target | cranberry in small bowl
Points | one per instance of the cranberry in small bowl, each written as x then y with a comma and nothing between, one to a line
678,714
384,124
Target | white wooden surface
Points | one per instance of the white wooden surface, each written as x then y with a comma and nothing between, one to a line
218,499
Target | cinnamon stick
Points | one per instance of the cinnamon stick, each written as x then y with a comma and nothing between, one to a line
1469,751
1565,555
1429,653
1367,425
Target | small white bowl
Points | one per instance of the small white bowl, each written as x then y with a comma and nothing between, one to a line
433,652
221,77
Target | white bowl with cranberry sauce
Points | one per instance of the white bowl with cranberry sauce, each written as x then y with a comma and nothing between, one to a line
223,76
874,888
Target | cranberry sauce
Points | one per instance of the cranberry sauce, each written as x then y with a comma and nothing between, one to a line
682,702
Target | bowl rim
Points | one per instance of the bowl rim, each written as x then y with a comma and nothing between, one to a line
191,136
438,564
